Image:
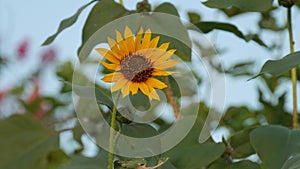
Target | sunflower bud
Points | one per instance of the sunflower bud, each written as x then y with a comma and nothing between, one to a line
143,6
286,3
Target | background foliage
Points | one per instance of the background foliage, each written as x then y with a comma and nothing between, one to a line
258,138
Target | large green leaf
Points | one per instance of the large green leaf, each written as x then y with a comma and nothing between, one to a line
244,5
223,164
66,23
25,143
189,153
174,27
206,27
194,156
102,13
277,67
275,144
81,162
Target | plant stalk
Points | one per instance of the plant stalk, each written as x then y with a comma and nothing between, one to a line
293,71
171,99
111,134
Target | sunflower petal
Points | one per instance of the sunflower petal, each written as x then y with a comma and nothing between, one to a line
158,72
156,83
134,87
153,93
164,46
119,84
114,48
144,88
165,64
125,89
111,77
166,55
138,39
108,55
129,39
146,40
109,66
154,42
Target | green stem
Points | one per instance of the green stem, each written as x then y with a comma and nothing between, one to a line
111,134
293,72
121,2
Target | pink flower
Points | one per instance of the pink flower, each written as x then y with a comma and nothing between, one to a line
48,55
22,49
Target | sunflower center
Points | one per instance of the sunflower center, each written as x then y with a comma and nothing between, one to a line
136,68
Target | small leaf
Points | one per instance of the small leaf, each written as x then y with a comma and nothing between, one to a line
278,67
25,143
65,24
194,17
275,144
206,27
244,5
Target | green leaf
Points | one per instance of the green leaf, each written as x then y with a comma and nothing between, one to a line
206,27
275,144
223,164
292,163
81,162
278,67
175,28
56,158
194,156
25,143
194,17
65,24
240,142
102,13
244,5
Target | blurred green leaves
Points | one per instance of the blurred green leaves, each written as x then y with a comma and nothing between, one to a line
244,5
26,143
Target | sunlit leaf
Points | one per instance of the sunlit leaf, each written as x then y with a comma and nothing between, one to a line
244,5
25,143
65,24
275,144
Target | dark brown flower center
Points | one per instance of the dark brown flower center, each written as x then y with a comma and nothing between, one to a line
136,68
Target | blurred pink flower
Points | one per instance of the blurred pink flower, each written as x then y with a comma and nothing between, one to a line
48,55
22,49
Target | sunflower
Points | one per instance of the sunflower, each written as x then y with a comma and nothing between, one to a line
136,60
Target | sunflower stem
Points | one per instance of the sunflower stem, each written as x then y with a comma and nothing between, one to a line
293,71
112,132
171,98
121,3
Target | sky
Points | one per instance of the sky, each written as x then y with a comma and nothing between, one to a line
35,20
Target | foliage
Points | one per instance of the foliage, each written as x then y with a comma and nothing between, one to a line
30,134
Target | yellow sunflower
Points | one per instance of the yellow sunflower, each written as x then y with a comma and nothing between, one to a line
136,61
